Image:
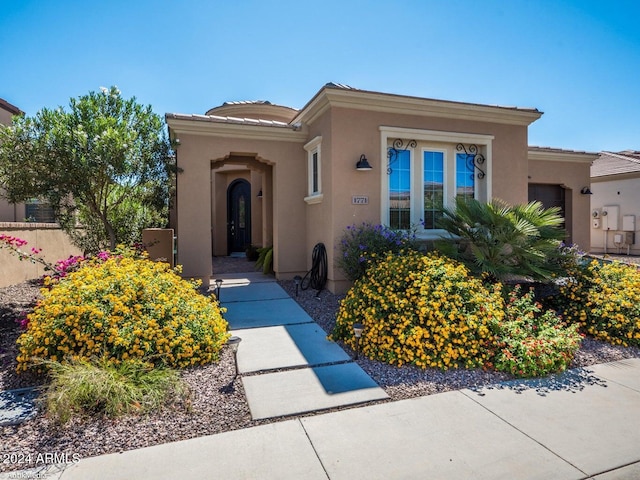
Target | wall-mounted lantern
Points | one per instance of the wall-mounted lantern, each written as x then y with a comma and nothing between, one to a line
363,164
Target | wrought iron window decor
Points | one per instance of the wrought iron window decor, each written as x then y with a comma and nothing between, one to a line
394,151
474,158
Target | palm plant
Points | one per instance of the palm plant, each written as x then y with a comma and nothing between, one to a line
504,241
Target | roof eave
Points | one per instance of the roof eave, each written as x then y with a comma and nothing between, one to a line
202,125
10,108
391,103
559,155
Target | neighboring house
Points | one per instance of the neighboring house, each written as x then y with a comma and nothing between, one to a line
33,211
615,203
259,173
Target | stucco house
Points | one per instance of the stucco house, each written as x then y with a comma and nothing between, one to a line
615,202
33,211
265,174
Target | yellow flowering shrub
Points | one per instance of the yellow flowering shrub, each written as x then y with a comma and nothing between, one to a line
605,300
124,308
424,310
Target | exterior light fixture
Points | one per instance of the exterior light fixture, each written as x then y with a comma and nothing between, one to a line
586,191
218,285
363,164
297,279
234,342
357,331
260,194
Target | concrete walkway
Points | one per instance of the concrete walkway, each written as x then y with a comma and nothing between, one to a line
582,424
277,334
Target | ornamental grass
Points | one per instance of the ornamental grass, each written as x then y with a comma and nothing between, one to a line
102,388
124,308
424,310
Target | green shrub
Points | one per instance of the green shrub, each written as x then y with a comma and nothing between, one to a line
421,310
605,300
83,388
504,241
265,260
362,246
532,342
121,309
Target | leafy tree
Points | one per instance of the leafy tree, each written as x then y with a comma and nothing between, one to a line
503,240
103,164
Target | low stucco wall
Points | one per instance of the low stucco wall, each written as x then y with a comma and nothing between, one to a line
49,237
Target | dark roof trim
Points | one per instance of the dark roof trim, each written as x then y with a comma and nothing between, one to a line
10,108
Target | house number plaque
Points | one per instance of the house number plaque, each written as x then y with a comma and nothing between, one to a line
360,200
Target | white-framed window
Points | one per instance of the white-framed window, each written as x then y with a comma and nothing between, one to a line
426,171
314,171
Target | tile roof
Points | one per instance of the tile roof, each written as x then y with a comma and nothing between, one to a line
612,163
249,102
558,150
233,120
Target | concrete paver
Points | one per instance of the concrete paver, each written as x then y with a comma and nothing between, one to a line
278,450
252,292
629,472
264,313
444,436
17,406
308,389
241,278
624,372
589,426
286,346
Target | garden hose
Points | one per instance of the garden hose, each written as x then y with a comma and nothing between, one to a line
316,278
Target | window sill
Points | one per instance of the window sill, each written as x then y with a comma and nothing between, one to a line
313,199
434,235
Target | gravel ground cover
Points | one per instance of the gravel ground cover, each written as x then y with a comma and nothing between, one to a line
217,402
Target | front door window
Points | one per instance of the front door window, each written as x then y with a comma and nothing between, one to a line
238,216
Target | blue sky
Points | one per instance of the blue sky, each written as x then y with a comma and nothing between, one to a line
578,61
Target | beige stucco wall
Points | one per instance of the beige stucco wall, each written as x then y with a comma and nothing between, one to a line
298,226
348,133
5,116
284,166
624,192
9,212
574,175
55,245
210,160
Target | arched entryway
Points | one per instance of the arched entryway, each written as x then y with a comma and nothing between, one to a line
238,216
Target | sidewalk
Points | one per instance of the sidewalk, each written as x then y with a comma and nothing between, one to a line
581,424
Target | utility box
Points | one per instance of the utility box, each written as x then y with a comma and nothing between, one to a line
610,214
629,238
159,244
629,223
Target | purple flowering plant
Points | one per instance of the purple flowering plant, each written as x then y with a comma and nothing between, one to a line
363,245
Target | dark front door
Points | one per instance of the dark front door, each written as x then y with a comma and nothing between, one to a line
238,216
